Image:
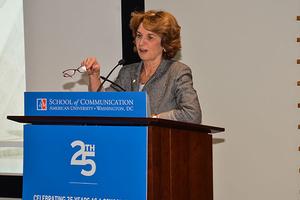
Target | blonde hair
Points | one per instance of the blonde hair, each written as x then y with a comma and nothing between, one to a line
162,23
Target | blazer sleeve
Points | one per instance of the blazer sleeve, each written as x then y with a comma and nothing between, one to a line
188,106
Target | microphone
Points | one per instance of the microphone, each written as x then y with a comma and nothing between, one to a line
121,62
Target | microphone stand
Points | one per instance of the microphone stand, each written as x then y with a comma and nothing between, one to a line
121,62
115,84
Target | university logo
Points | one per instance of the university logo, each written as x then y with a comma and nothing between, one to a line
80,157
41,104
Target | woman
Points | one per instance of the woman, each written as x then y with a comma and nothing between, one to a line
168,82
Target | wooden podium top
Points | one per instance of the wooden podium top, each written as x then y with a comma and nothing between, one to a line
113,121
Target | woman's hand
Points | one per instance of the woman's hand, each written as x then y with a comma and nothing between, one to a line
92,66
93,70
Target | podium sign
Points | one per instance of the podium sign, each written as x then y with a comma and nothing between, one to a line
85,162
100,104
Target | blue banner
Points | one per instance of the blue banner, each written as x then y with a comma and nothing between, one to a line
100,104
85,162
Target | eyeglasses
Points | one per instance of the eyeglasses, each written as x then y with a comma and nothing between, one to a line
82,69
71,72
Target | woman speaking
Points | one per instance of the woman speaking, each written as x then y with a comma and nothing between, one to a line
167,82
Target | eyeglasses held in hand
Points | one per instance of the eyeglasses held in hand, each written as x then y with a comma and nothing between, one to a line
71,72
82,69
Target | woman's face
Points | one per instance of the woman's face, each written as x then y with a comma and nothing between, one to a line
148,45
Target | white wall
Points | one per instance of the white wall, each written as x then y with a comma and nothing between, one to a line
60,34
243,54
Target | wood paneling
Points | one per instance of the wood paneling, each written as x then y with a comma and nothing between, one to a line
179,164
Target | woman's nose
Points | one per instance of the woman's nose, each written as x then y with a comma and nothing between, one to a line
141,41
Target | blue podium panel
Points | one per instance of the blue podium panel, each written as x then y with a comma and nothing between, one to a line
100,104
85,162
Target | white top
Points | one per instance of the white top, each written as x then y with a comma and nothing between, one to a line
141,86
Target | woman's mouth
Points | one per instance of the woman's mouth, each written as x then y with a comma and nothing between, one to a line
143,50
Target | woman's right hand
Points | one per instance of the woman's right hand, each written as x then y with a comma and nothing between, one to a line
92,66
93,70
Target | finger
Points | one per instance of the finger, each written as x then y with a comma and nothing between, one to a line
88,62
96,67
92,61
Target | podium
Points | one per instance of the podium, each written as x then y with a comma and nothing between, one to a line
150,158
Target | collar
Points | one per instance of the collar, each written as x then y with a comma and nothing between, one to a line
163,66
